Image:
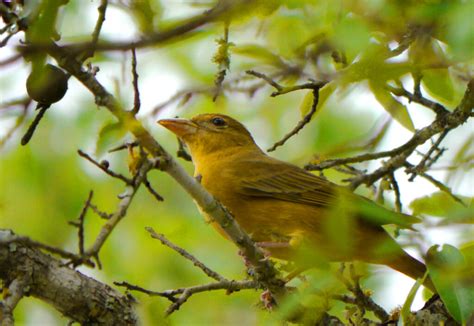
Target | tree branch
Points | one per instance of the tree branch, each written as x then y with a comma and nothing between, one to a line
264,270
196,262
399,155
75,295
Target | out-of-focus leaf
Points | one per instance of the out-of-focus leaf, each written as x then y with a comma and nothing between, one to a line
453,280
351,35
459,31
373,65
467,250
145,14
397,110
438,84
427,52
43,27
464,149
406,308
109,134
259,53
440,204
246,10
301,31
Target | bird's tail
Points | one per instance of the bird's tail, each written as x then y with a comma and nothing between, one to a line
411,267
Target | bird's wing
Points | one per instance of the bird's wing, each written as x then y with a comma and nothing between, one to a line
283,181
287,182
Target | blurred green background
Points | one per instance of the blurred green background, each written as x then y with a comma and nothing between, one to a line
44,184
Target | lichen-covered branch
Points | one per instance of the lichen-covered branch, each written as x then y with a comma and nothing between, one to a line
76,296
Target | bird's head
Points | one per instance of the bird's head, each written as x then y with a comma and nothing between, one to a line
210,133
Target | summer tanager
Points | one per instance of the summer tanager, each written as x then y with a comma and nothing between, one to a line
287,210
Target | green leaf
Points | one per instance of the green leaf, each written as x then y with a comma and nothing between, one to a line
397,110
259,53
459,31
324,94
109,134
373,65
301,30
441,204
452,277
306,103
438,84
406,309
351,35
467,249
145,14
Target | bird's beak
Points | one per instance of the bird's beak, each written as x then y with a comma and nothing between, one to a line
180,127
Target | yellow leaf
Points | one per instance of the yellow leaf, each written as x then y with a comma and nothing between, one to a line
324,94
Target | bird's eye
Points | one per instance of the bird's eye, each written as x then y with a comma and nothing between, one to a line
218,122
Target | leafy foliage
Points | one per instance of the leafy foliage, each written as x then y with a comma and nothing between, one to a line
363,49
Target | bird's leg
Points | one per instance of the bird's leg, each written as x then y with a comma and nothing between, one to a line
267,247
273,244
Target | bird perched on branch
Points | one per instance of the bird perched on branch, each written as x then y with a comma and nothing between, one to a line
288,211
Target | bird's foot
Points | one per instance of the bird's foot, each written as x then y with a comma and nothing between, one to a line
267,300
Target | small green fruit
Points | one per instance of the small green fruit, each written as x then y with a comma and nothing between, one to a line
47,85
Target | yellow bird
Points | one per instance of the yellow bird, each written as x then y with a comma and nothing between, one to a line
290,212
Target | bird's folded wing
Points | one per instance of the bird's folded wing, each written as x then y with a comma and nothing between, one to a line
290,184
293,184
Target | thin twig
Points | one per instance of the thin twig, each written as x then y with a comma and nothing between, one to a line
284,90
22,101
136,91
209,272
185,293
152,191
101,214
421,166
105,168
436,107
300,125
399,155
280,90
132,287
269,80
381,128
97,29
18,122
54,250
396,190
441,186
10,60
80,223
127,146
362,300
122,208
166,35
